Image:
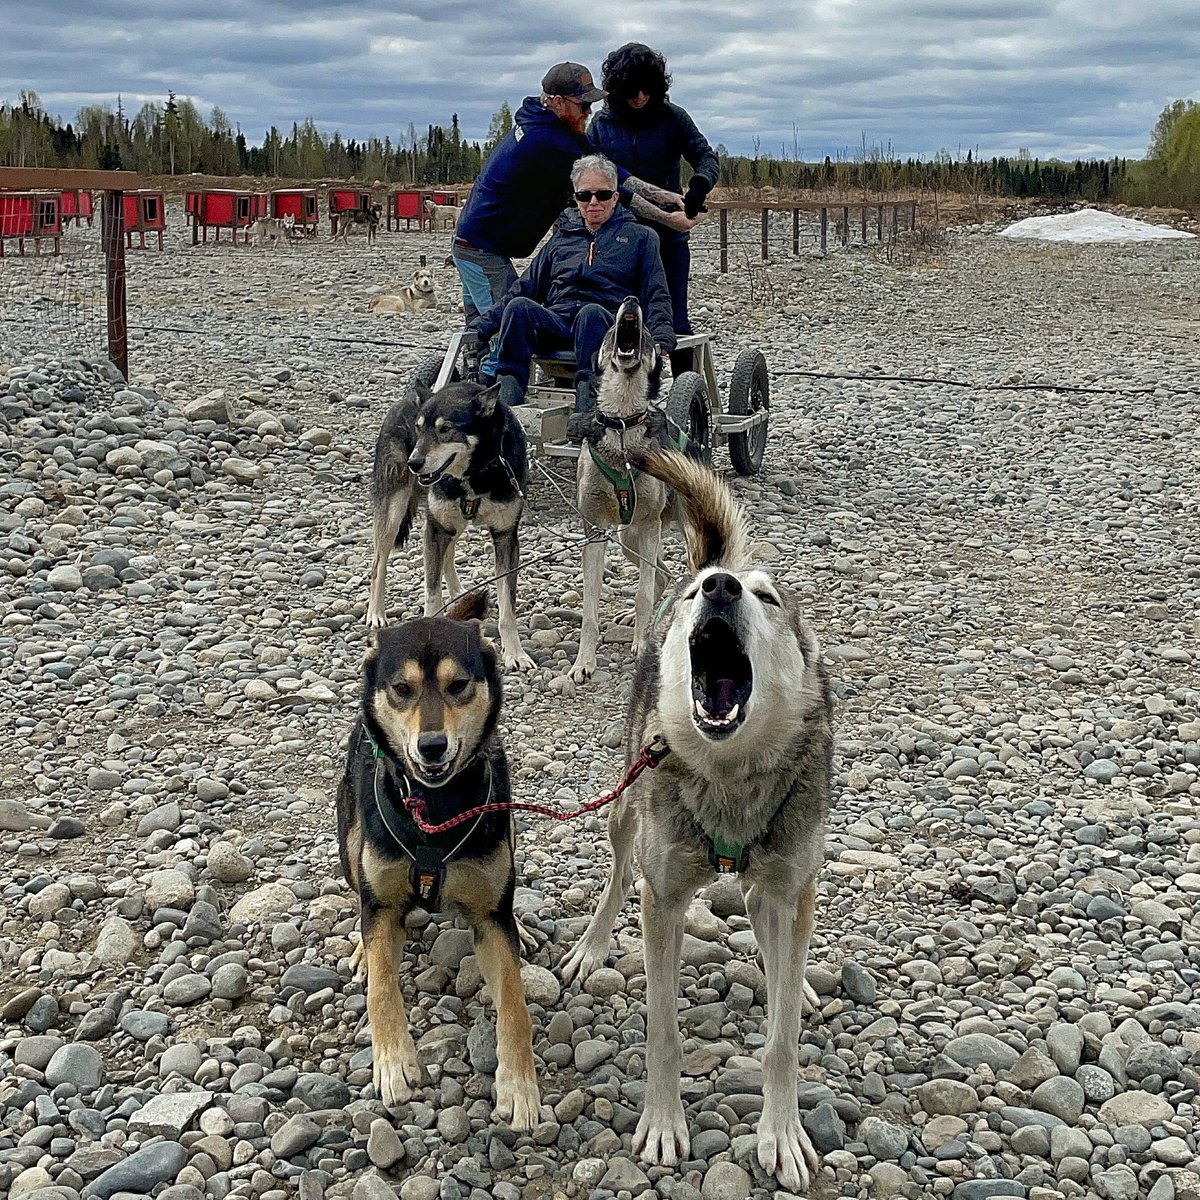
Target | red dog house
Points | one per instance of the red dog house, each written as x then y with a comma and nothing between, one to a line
35,215
405,204
300,203
224,208
346,200
145,211
408,205
76,206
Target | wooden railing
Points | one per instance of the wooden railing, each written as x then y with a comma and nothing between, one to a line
879,216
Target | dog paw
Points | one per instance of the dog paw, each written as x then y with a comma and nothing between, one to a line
358,964
661,1137
397,1074
517,1102
582,961
582,670
785,1151
811,1002
519,662
527,940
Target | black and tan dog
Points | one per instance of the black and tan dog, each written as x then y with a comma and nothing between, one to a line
465,452
428,729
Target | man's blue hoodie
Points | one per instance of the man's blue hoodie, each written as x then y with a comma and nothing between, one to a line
525,183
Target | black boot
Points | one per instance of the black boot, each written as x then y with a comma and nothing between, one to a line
511,392
581,424
587,388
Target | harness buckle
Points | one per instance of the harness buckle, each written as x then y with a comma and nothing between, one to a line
726,858
428,875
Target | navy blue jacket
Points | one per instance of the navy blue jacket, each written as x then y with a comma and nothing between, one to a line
649,142
576,267
524,183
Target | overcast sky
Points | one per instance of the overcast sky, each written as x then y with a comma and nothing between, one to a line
1060,77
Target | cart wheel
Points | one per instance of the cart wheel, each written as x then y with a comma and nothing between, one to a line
428,369
749,393
688,411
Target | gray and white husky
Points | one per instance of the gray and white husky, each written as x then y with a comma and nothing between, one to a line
732,683
613,494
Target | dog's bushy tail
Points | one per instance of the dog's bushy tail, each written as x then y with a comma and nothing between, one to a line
715,529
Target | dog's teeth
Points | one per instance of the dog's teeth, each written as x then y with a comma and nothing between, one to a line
733,712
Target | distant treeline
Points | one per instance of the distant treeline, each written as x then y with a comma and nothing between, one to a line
174,139
1093,179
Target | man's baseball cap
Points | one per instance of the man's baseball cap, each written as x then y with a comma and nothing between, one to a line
573,81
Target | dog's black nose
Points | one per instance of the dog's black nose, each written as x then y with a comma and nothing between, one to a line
416,461
432,746
722,588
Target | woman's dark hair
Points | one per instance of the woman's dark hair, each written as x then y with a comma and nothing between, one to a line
634,68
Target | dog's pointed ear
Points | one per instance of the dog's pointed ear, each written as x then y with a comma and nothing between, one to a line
470,606
421,392
488,399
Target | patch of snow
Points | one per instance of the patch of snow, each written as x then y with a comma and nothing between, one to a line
1090,225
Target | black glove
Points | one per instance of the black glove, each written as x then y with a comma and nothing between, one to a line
693,200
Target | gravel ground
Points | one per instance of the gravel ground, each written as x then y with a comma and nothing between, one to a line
1001,555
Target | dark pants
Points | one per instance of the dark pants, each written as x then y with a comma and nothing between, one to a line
485,279
528,329
676,260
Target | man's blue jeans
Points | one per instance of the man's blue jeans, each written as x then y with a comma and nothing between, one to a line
485,278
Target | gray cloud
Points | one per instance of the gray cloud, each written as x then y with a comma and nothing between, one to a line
1060,77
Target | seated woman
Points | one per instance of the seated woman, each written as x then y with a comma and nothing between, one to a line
574,285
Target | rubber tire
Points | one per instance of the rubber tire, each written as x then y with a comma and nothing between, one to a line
427,371
688,409
749,392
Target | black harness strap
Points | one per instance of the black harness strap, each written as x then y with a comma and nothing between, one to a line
427,862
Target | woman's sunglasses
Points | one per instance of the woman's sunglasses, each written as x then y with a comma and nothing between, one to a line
601,194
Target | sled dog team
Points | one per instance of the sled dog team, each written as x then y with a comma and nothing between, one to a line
729,736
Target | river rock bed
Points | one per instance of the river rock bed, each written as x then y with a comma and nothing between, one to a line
981,478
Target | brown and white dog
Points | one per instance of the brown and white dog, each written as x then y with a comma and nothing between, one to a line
412,297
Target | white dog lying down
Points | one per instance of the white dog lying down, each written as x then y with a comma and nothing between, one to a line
445,216
412,297
272,229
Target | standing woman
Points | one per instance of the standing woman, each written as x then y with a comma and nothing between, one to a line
642,131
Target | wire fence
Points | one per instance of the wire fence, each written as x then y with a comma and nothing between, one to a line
57,298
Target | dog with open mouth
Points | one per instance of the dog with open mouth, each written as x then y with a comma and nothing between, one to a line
428,730
732,693
611,492
466,453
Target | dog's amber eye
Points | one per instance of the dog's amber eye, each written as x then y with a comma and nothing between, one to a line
402,690
458,687
767,598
